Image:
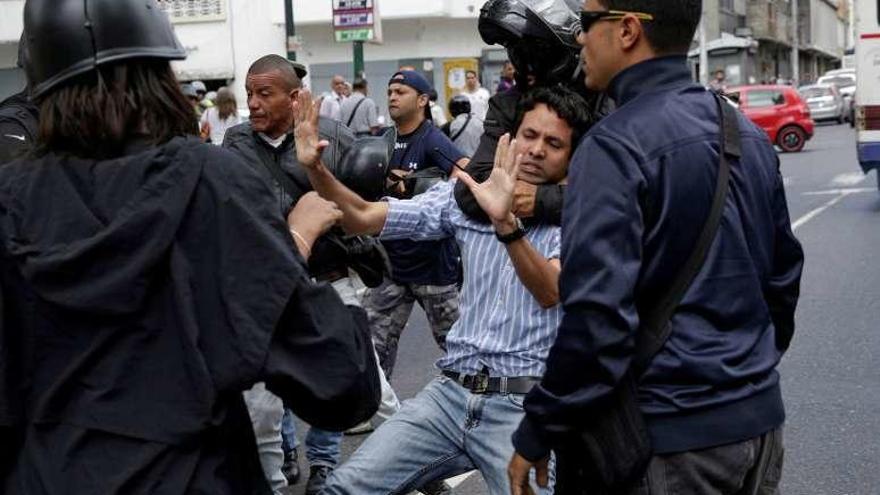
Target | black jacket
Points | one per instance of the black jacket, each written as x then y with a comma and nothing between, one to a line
18,126
327,254
641,184
141,295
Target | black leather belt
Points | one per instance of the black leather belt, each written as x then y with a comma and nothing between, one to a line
485,384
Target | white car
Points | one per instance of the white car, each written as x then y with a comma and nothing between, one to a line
845,80
826,102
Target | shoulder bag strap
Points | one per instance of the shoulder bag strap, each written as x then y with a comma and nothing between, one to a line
354,112
656,327
460,131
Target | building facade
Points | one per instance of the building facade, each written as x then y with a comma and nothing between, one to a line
222,38
437,38
751,40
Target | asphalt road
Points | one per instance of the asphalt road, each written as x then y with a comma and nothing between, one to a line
831,375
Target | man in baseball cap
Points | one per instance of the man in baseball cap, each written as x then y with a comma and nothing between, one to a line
415,81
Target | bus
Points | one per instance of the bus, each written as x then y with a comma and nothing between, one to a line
867,98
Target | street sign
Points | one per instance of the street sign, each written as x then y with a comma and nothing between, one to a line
346,35
356,20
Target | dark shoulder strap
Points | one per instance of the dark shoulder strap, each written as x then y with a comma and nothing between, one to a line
460,131
655,328
355,111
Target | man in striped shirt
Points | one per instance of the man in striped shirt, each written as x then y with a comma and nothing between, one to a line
464,419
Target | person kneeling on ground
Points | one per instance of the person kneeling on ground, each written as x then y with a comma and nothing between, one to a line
464,419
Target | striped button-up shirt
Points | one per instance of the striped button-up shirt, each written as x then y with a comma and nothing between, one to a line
501,326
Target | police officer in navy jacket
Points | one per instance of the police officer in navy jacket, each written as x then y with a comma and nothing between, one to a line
640,187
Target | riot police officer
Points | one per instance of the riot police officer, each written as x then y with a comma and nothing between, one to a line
541,41
147,280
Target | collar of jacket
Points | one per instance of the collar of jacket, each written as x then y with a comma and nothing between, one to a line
285,145
660,72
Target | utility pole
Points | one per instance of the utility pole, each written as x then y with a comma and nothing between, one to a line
358,47
290,29
704,53
795,45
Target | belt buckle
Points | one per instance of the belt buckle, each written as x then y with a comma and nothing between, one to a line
479,383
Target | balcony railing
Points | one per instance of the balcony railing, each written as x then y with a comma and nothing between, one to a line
183,11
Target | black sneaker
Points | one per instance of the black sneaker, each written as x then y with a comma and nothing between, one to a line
290,468
438,487
317,479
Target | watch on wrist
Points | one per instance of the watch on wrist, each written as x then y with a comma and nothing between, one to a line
516,235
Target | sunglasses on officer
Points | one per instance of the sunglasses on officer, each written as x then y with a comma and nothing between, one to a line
590,17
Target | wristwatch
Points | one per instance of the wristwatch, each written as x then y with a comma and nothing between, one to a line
516,235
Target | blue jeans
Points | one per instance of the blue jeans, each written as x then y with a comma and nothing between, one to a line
322,446
443,431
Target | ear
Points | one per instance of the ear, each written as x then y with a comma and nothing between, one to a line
423,100
630,32
294,93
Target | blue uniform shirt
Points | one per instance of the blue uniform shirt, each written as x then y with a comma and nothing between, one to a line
433,262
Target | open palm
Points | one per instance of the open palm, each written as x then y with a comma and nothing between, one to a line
305,116
495,195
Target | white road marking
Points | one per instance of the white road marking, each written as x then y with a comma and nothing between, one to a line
818,211
848,179
833,192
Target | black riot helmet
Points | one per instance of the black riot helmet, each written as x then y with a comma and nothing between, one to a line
540,37
66,38
365,168
459,104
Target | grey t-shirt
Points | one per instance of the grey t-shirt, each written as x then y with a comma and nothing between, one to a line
365,118
469,139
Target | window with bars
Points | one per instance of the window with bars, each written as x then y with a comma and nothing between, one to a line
181,11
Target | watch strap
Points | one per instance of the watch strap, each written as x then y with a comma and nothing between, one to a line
516,235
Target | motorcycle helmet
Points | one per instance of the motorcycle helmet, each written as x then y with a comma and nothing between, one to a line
540,37
458,105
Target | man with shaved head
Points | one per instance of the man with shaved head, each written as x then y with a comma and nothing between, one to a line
266,144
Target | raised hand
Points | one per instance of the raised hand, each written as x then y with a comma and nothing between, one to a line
305,117
495,195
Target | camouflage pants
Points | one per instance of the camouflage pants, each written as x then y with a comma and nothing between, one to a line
389,306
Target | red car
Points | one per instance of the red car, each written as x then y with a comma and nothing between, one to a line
779,110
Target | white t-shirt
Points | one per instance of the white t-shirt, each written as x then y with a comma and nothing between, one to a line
437,115
211,116
479,102
331,106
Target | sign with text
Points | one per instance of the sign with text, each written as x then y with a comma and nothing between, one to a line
357,20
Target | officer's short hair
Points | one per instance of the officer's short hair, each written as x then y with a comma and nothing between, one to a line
268,63
568,105
359,84
674,24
